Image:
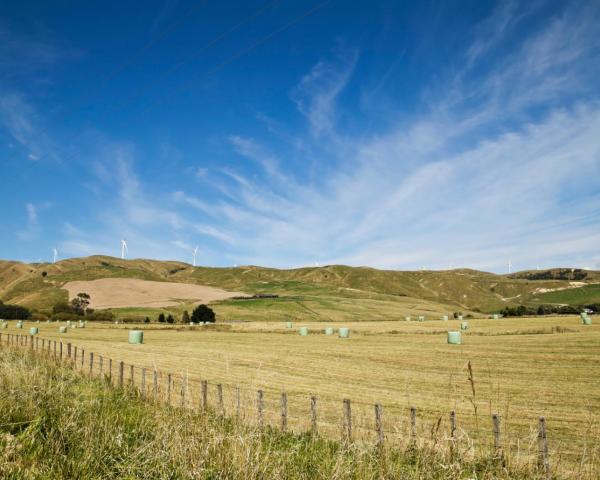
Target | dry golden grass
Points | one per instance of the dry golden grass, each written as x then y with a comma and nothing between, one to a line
520,369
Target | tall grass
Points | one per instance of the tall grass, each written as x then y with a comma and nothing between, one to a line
56,423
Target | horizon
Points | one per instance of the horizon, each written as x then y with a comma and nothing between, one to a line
292,134
295,267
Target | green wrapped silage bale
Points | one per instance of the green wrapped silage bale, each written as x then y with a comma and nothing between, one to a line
73,327
495,316
289,325
48,321
62,329
329,331
303,331
68,323
445,318
460,317
464,325
4,325
33,331
191,323
81,324
19,324
344,332
454,337
407,318
583,316
421,318
136,336
587,321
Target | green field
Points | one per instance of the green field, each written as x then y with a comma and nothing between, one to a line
521,368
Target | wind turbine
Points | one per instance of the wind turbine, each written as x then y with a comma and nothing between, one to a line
509,265
123,248
194,256
55,255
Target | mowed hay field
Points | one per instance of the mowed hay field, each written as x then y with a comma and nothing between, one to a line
520,368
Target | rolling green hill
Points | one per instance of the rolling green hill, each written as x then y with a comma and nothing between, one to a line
319,292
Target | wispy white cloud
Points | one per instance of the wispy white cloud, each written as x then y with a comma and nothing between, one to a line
316,94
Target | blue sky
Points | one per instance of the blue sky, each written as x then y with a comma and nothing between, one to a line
289,133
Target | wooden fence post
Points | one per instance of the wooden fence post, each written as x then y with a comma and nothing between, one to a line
284,411
68,350
238,403
54,348
61,350
204,394
101,360
379,423
220,399
82,357
155,385
169,389
74,352
91,363
347,421
413,425
543,461
313,415
131,375
121,368
143,383
452,433
110,371
497,437
260,407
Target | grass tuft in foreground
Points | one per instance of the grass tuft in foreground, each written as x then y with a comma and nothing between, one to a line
56,424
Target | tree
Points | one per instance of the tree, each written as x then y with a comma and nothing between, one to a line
185,318
170,319
14,312
202,313
62,307
80,303
161,318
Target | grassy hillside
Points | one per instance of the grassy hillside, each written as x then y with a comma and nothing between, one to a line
57,424
312,293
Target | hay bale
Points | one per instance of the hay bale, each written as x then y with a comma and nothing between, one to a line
33,331
136,337
421,318
62,329
303,331
407,318
289,325
445,318
454,337
329,331
464,325
19,324
344,332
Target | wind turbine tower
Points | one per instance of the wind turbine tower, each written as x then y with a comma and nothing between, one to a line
54,255
123,248
509,265
194,256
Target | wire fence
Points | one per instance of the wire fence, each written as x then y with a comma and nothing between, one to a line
459,433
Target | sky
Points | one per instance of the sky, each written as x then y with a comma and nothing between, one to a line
397,135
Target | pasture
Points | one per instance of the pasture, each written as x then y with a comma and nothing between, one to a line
521,368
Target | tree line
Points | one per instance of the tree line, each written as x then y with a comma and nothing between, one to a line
522,310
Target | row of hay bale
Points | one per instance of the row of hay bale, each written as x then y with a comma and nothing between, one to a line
343,332
422,318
